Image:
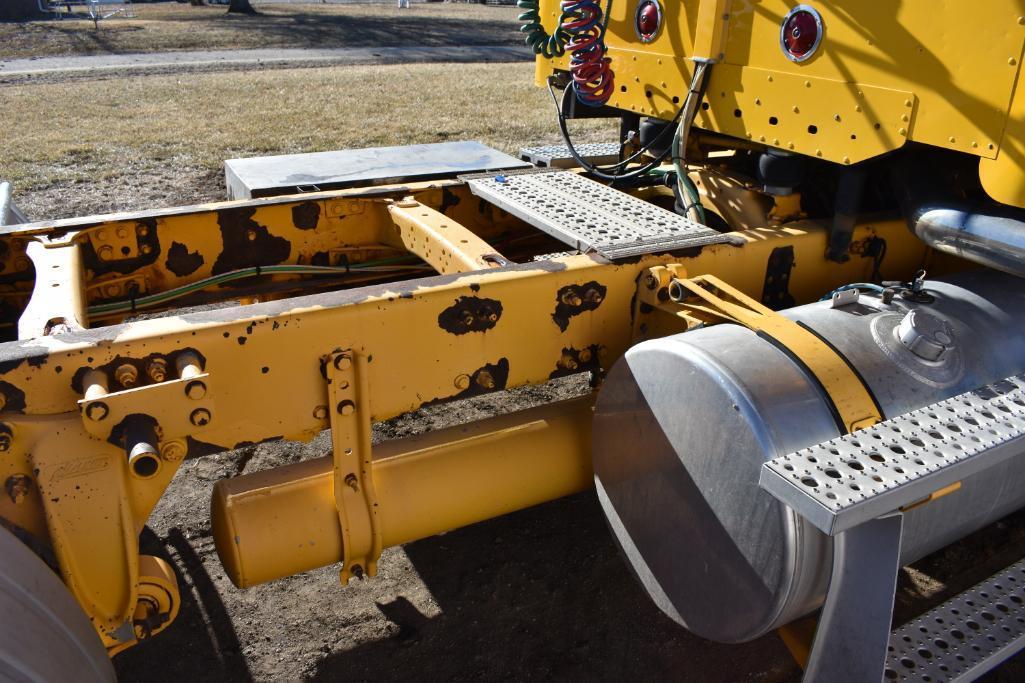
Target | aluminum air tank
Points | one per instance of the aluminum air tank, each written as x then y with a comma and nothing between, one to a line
684,423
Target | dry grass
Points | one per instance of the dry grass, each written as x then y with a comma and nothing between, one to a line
174,26
89,146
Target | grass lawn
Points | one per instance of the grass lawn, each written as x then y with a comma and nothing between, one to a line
173,26
88,146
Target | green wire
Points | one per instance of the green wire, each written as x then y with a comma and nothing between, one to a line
178,292
540,42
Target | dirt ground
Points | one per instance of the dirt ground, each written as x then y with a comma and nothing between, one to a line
538,594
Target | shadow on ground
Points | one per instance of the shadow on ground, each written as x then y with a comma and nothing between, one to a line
202,31
542,594
539,593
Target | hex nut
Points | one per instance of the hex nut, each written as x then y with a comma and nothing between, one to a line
126,375
157,370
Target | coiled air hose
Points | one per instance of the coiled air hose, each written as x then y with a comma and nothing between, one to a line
581,32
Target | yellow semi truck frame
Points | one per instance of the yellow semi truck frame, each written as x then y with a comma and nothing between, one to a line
340,309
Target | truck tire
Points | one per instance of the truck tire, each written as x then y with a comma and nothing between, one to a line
44,634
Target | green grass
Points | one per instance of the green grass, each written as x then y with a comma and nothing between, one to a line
172,26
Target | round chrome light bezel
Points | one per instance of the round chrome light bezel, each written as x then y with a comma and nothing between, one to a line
648,37
819,26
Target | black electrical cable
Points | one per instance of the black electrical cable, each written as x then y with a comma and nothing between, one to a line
608,172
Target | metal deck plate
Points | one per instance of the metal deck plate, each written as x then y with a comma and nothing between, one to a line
964,637
858,477
588,216
558,156
317,171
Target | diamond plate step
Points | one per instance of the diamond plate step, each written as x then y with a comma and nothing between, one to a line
589,216
558,156
964,637
861,476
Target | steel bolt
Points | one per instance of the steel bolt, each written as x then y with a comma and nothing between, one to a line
157,369
485,380
106,252
346,408
196,389
200,417
571,298
593,295
651,282
343,362
567,361
352,482
251,235
97,411
142,231
18,486
584,355
126,375
173,451
146,249
5,441
462,381
466,317
320,412
122,233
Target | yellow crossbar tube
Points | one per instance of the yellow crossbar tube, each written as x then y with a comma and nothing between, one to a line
272,524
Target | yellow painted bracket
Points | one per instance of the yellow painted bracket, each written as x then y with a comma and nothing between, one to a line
440,241
850,397
713,21
354,492
183,407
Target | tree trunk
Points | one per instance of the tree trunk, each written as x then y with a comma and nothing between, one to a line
240,7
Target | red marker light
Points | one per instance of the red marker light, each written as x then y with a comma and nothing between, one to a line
648,20
800,33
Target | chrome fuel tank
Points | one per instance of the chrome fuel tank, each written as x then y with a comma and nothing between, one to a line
684,423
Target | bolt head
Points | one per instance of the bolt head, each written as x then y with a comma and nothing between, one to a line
462,381
485,380
5,442
343,362
173,451
320,412
346,408
106,252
